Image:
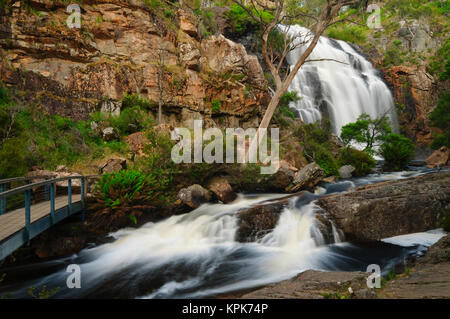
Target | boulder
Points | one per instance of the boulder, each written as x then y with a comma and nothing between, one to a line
113,165
255,222
308,177
136,142
194,195
346,171
439,158
225,56
222,189
190,55
109,134
282,178
376,211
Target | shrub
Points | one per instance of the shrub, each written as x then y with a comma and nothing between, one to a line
127,188
349,33
440,117
316,141
362,161
396,150
131,120
132,100
215,106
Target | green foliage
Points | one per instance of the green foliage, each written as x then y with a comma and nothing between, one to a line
367,131
362,161
241,22
445,222
440,117
135,100
126,188
289,97
440,63
316,141
392,57
396,150
215,106
131,120
348,32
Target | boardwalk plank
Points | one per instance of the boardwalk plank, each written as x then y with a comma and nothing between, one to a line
14,221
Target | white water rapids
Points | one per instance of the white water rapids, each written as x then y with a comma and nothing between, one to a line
196,255
341,86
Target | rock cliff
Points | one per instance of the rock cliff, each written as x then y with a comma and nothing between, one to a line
125,47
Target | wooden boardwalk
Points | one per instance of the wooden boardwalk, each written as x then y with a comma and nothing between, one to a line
14,221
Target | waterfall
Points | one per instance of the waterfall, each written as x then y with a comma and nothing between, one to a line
341,87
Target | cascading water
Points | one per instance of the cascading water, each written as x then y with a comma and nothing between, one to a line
196,254
341,86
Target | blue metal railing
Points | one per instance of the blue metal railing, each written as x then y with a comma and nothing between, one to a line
50,186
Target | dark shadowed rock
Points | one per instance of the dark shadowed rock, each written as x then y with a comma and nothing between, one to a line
257,221
194,195
282,178
307,178
391,208
222,189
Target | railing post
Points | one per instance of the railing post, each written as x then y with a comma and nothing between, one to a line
27,215
47,191
3,200
69,195
83,193
52,202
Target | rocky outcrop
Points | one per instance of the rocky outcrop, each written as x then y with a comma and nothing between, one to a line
72,72
194,195
314,284
282,178
376,211
259,220
113,165
439,158
429,278
415,92
346,171
222,189
308,177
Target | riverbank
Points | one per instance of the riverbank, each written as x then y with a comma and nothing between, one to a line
429,277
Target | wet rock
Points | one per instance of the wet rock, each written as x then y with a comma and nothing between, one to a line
259,220
282,178
194,195
376,211
346,171
308,177
113,165
222,189
439,158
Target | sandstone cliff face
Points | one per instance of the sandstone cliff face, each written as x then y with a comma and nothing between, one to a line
120,48
416,95
416,91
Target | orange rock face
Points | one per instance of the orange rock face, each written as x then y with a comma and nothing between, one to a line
440,157
414,92
120,48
